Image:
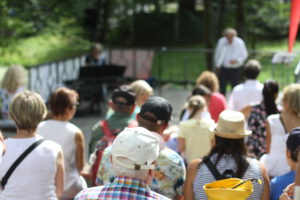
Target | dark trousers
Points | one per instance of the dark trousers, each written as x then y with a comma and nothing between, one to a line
229,75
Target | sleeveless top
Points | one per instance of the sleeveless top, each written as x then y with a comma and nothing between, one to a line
64,134
34,178
204,176
275,162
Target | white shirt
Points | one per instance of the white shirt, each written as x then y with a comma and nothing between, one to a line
244,94
226,52
64,134
34,178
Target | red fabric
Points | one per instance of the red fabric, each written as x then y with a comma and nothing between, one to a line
294,22
216,105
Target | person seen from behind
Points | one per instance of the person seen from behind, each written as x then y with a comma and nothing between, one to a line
133,154
228,158
63,103
217,101
249,92
256,116
277,128
155,116
40,175
195,140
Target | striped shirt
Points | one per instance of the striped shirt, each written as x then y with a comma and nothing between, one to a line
204,176
123,188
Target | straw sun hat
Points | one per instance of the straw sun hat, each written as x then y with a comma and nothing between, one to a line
231,124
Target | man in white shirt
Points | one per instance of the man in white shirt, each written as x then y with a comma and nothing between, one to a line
229,57
249,92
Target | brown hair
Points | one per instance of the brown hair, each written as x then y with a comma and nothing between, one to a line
61,99
209,80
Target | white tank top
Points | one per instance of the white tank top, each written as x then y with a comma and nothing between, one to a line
64,134
34,178
275,162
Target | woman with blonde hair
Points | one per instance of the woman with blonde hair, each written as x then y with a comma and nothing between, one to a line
277,128
194,137
15,80
40,175
217,102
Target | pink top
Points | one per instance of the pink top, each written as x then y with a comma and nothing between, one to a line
216,105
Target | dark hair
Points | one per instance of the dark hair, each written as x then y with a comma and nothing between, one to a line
201,90
270,89
232,147
252,69
61,99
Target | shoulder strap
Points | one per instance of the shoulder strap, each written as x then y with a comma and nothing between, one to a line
283,124
212,168
105,128
18,161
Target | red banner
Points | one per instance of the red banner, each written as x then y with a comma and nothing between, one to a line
294,22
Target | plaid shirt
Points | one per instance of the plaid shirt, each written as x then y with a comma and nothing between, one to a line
123,188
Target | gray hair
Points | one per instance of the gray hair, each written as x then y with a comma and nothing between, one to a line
230,31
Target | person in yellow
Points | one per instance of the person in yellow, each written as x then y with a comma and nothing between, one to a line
194,138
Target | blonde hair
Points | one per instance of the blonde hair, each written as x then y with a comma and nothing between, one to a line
14,77
291,96
209,80
27,110
196,103
141,87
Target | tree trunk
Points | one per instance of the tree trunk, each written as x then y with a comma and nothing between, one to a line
208,33
187,5
102,26
240,18
222,17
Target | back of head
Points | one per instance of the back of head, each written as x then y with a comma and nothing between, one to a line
196,103
209,80
61,100
155,112
293,143
270,91
229,138
123,99
27,110
141,88
14,77
134,151
201,90
291,96
252,69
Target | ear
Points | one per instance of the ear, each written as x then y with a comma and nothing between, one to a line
288,154
138,117
165,126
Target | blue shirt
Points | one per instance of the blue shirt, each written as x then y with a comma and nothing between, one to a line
279,183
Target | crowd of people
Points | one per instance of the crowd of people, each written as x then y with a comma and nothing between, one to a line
135,153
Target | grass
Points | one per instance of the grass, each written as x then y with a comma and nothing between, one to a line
186,65
43,48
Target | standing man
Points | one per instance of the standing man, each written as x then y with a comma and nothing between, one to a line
230,55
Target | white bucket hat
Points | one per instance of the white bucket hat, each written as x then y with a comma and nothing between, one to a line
137,145
231,124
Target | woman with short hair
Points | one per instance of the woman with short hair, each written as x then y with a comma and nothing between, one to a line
40,174
63,104
229,158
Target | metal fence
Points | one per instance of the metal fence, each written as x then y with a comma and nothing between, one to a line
165,65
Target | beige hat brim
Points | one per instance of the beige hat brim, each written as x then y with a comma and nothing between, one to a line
214,131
